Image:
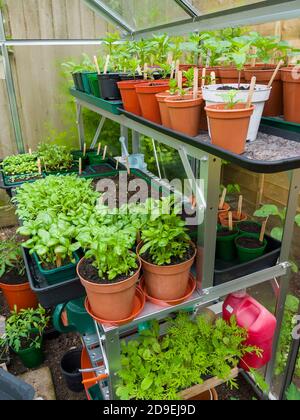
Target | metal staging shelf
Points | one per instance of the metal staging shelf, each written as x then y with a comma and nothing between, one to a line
208,168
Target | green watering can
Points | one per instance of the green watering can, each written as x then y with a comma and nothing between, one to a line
72,317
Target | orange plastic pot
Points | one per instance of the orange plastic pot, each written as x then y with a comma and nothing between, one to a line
166,283
164,110
291,93
111,301
129,96
274,106
19,295
146,93
185,113
230,75
229,127
235,221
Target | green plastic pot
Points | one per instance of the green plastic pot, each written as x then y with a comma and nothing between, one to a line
85,81
32,357
95,159
242,232
247,254
77,154
226,250
94,84
58,275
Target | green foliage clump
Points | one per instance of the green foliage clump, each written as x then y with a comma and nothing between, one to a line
172,240
293,393
11,258
158,368
55,158
20,164
25,329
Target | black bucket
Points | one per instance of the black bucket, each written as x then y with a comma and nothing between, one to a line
70,365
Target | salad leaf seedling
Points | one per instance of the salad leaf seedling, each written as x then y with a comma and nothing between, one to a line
11,258
230,99
20,164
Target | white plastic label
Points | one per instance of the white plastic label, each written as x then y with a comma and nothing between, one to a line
229,309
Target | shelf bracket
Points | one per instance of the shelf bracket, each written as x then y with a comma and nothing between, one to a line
196,188
98,132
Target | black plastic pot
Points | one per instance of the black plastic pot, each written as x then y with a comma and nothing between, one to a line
108,86
124,77
70,365
78,81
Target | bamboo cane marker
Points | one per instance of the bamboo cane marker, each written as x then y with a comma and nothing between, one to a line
223,198
145,71
39,164
170,58
80,166
84,149
97,64
263,231
275,73
58,261
196,83
177,66
213,78
230,221
104,153
251,92
106,64
30,151
127,166
240,208
173,70
99,149
203,76
117,165
179,75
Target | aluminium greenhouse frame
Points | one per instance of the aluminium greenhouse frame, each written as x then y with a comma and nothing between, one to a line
256,13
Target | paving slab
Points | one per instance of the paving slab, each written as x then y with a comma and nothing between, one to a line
42,382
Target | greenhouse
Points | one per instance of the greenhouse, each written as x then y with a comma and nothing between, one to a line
149,202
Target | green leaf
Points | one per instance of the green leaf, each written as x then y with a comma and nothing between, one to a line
277,233
293,393
146,384
266,211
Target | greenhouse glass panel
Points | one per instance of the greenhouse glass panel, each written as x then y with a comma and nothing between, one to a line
205,7
144,14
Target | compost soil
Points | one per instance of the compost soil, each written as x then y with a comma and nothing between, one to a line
15,179
249,243
13,278
174,261
233,88
90,273
250,227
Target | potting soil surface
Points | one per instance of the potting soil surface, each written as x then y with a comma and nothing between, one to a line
268,148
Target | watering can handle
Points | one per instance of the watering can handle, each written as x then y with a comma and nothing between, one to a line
124,148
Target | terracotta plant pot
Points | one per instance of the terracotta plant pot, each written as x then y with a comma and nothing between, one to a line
224,219
166,283
19,295
210,395
229,127
164,110
230,75
146,93
274,106
291,94
129,96
224,211
185,114
111,301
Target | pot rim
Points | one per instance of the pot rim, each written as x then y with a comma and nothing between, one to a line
245,235
162,266
212,108
14,286
108,285
258,88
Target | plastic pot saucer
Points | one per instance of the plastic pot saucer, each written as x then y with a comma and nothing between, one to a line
139,304
166,304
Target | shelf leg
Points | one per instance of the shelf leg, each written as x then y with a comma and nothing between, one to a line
125,133
113,354
80,125
135,142
98,132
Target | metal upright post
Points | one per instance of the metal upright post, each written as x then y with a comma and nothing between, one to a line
135,142
284,257
11,90
80,125
125,133
113,354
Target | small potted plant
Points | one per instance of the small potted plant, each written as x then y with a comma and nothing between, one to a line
20,168
13,280
127,88
226,237
164,110
238,215
167,255
56,159
109,270
24,335
250,248
51,242
229,123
